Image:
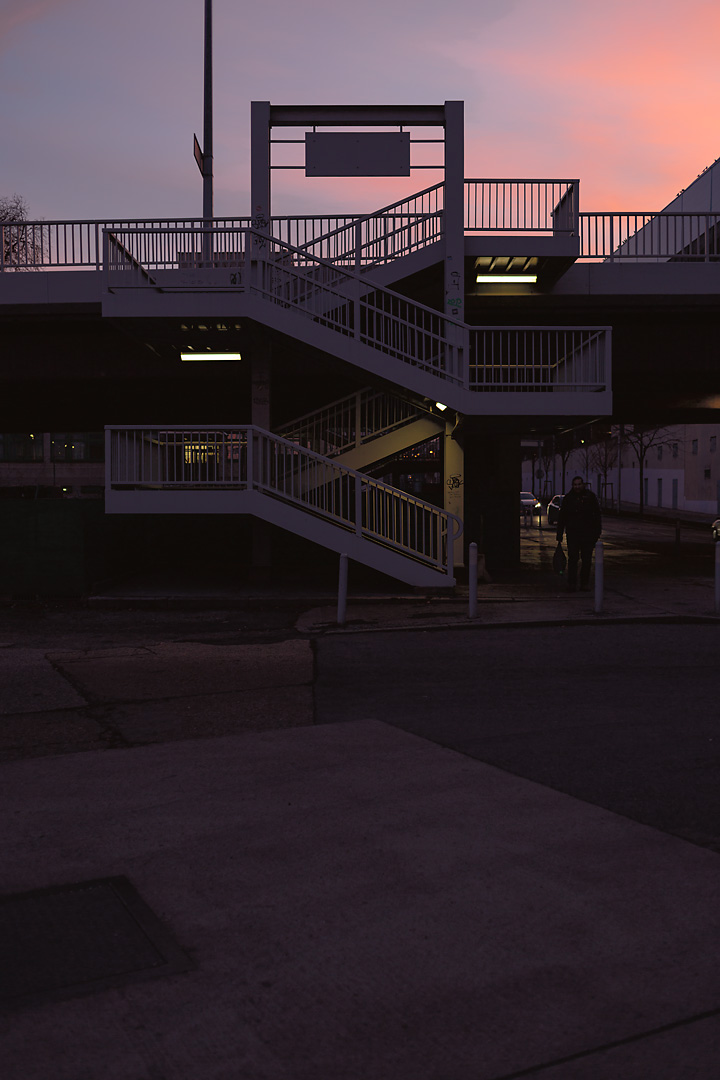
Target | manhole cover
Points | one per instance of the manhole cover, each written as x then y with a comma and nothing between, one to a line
72,939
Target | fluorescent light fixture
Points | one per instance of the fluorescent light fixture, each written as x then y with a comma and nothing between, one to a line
210,356
506,279
439,405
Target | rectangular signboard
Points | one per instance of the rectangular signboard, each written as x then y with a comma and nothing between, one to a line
362,153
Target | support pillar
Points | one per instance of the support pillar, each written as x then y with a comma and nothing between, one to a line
454,211
260,163
453,484
260,417
491,497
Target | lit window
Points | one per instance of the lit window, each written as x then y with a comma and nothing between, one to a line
17,447
77,446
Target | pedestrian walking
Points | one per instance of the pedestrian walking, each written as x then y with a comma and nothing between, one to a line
581,521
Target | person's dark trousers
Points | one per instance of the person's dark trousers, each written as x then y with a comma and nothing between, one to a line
581,550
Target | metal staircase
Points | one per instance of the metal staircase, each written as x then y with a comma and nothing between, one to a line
245,470
363,428
349,316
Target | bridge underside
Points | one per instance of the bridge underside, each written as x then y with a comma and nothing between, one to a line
82,371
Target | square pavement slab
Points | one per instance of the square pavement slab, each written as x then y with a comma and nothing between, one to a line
358,902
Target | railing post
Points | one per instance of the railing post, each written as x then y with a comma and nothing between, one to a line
342,590
599,577
472,579
358,419
356,310
249,463
108,460
358,243
358,505
450,543
717,577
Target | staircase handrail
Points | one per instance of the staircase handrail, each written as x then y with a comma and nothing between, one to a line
325,488
356,222
354,417
350,304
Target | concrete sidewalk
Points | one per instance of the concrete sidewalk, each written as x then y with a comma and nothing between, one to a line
355,902
341,900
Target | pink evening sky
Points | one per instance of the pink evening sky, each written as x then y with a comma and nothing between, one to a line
101,98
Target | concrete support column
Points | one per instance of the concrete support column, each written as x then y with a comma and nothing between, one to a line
453,484
260,162
491,497
260,371
454,212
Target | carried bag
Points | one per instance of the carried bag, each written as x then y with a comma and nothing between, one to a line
559,560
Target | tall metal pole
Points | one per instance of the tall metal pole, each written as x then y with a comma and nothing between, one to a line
208,119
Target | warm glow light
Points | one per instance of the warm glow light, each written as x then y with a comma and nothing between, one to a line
210,356
439,405
506,279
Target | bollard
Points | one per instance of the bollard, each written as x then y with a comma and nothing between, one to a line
717,577
342,590
599,576
472,581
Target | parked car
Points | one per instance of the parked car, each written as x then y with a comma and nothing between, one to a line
529,504
716,529
553,509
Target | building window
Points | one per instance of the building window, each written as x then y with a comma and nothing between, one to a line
659,454
713,443
694,446
707,474
675,449
77,446
17,447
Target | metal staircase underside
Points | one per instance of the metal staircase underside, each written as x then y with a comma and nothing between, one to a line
245,470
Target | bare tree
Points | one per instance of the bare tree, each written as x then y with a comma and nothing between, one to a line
602,457
21,245
564,448
642,439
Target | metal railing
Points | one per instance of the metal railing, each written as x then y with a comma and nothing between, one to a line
247,458
508,206
359,242
44,245
672,237
548,359
350,422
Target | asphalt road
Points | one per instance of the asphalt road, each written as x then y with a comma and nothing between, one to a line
626,717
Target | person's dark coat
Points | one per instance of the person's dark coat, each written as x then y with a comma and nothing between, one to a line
579,516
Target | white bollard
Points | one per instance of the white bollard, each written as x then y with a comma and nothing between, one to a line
717,577
342,590
472,581
599,576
